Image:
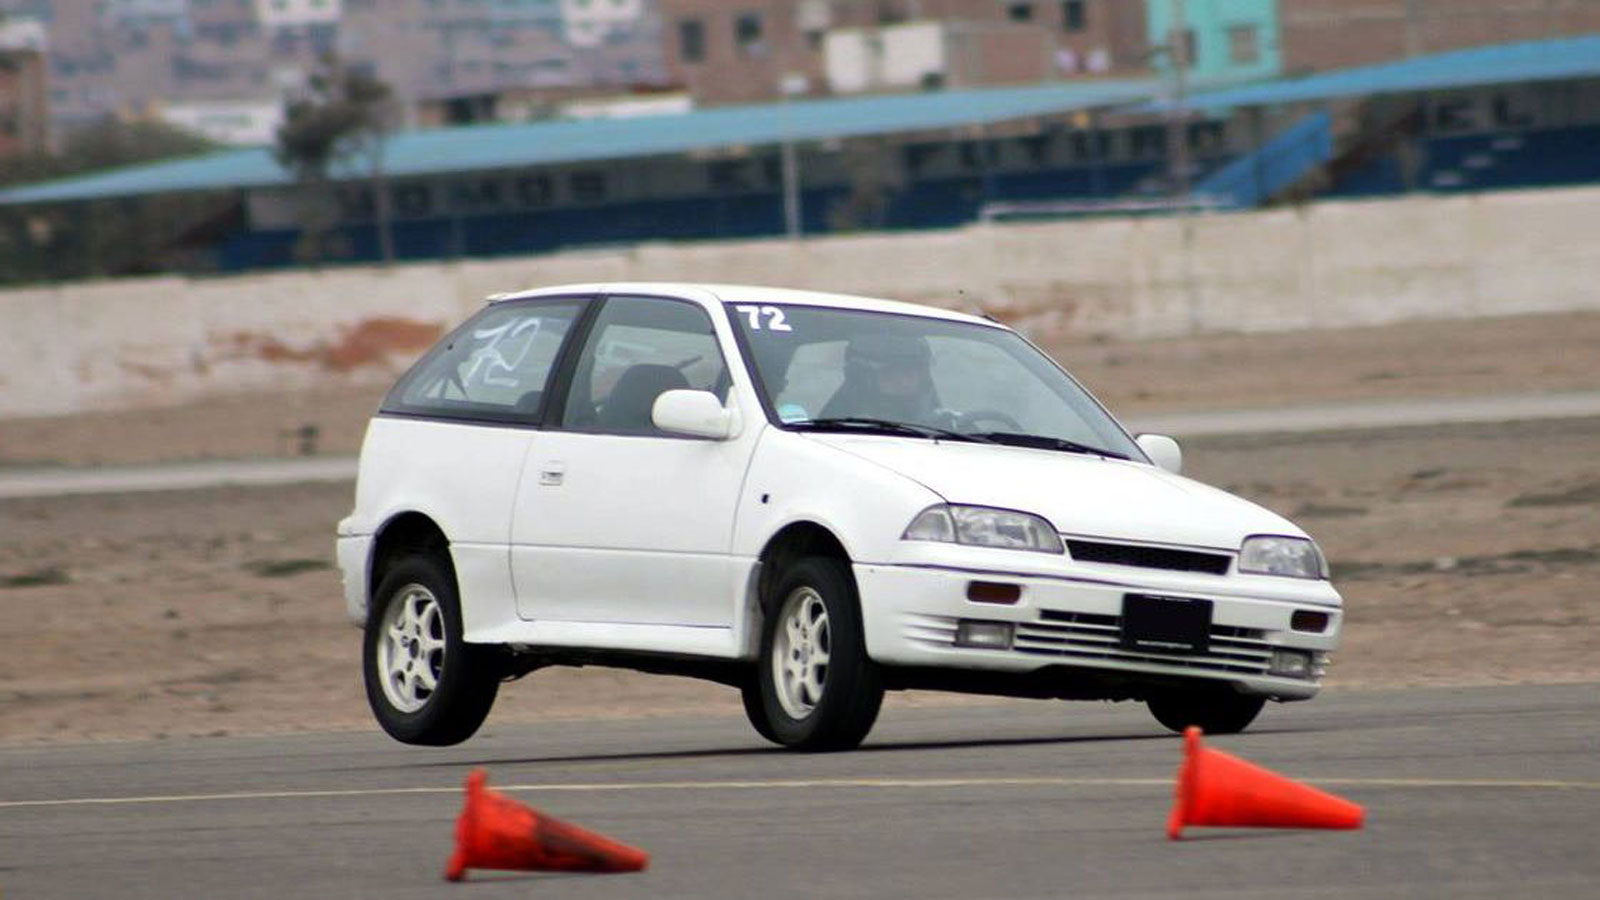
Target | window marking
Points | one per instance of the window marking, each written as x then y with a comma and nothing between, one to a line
489,362
775,317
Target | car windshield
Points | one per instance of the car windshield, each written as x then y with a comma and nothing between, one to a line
824,368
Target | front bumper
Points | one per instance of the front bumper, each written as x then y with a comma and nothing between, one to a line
911,614
353,552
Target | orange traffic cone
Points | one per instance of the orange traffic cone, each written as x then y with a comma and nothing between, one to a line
1215,788
496,832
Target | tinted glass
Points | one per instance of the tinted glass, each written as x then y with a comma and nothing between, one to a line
825,363
496,366
639,348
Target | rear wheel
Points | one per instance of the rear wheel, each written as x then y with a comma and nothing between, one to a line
1216,711
815,689
424,683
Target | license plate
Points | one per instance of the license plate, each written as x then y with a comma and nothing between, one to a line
1165,624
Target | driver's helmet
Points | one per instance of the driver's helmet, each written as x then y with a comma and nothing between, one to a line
868,356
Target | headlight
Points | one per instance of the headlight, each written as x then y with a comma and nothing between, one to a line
981,526
1289,556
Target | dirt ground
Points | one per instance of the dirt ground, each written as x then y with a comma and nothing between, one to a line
1467,554
1436,359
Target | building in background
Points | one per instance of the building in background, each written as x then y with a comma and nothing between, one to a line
1223,40
138,58
1320,35
24,113
24,33
237,123
1487,118
747,52
590,23
128,58
143,13
294,13
506,61
428,51
726,53
460,61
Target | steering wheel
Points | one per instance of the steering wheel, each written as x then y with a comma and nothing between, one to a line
969,421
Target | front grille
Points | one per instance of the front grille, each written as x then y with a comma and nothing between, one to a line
1149,557
1088,637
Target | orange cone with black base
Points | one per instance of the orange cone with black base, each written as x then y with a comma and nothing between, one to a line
496,832
1215,788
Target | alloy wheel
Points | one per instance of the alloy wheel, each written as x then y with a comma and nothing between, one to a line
800,652
411,648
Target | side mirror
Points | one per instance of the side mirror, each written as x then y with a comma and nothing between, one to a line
1163,451
694,413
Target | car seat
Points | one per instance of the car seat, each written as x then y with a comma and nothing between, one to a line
627,410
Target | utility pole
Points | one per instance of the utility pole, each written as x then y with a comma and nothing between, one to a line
1178,118
1178,153
1413,28
788,87
380,195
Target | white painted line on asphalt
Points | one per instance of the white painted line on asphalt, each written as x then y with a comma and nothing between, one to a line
1526,784
891,783
52,482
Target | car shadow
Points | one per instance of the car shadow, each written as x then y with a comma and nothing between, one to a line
1239,835
495,876
772,750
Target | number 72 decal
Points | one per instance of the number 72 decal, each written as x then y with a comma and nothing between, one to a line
775,319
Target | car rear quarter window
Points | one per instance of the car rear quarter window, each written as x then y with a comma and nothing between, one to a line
496,367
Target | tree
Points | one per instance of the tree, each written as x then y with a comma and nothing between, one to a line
341,113
104,145
102,237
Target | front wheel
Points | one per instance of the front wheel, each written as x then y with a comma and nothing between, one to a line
424,683
1215,711
815,689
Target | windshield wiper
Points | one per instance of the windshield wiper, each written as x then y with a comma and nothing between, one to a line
1046,442
865,423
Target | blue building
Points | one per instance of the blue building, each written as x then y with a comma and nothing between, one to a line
1227,40
1505,116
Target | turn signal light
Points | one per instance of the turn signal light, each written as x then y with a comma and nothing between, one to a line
993,592
1309,621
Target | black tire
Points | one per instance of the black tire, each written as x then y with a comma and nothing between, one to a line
465,676
1216,711
841,712
755,706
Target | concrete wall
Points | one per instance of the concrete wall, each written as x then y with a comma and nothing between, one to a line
155,341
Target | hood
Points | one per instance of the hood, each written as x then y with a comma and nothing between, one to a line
1080,495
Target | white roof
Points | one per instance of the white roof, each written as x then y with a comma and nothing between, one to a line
745,293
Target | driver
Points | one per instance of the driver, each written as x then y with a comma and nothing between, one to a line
886,376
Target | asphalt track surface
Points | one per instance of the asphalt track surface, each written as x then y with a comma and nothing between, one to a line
29,481
1469,793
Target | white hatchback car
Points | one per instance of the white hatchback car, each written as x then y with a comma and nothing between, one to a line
813,498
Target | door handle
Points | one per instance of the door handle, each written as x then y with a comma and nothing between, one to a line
553,473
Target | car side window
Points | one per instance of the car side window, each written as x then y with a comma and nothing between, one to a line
496,366
639,348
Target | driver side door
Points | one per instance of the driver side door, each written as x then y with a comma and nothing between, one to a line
616,522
